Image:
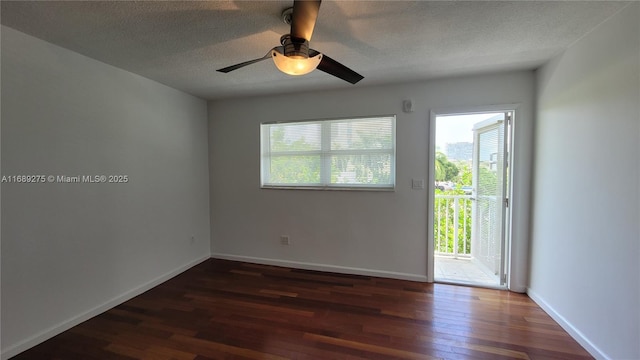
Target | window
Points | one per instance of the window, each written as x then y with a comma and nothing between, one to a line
329,154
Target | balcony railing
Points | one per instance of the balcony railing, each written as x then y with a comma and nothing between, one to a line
452,230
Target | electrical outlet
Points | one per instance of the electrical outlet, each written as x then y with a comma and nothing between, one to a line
284,240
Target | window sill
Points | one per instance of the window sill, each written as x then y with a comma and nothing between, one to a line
330,188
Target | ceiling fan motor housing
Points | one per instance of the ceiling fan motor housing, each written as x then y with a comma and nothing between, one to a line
295,47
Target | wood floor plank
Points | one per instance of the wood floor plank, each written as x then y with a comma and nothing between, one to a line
398,353
229,349
231,310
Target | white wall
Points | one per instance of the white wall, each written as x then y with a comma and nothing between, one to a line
70,251
585,227
379,233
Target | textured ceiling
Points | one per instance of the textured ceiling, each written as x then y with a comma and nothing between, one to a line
182,43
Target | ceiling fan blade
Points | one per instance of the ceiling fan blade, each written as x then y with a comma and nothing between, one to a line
303,20
338,70
243,64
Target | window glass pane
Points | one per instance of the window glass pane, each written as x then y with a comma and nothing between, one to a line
362,134
295,137
358,153
369,169
296,169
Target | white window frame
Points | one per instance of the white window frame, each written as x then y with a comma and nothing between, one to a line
325,154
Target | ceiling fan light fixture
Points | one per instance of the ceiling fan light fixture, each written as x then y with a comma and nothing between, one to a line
295,64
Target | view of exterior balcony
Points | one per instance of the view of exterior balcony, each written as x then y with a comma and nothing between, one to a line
465,252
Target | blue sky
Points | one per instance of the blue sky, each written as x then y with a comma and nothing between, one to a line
457,128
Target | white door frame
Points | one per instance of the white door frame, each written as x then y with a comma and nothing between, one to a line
468,110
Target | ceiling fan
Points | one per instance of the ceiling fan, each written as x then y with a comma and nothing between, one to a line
294,57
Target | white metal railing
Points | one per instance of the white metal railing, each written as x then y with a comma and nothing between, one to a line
452,225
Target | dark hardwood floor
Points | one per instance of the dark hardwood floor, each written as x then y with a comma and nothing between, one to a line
230,310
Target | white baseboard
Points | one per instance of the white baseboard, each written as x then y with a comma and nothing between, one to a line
322,267
568,327
15,349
